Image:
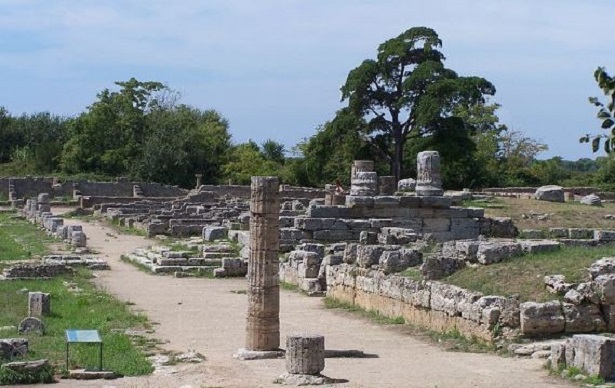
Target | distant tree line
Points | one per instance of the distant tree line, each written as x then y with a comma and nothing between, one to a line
403,102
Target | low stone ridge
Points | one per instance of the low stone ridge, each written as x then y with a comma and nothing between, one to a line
13,347
94,263
36,271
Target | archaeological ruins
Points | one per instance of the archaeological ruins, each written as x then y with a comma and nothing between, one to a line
354,246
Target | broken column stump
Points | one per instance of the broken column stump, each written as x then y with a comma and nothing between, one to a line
305,354
39,304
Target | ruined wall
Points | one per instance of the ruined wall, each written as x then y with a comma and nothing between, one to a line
528,192
429,304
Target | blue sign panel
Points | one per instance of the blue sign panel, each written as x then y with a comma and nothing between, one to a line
91,336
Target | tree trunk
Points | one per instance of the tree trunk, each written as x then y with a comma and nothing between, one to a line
398,156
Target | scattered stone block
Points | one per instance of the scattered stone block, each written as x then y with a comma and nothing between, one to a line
591,200
585,318
438,267
39,304
305,354
594,354
407,184
212,233
494,252
551,193
13,347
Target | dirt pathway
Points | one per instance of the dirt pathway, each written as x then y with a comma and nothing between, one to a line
207,316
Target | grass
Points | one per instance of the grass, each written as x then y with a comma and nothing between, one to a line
564,215
332,303
523,275
115,224
90,308
571,371
20,239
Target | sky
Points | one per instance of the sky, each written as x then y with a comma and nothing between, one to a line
274,68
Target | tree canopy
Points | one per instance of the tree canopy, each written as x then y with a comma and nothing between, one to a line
408,93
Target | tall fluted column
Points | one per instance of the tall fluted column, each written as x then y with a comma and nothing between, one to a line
263,321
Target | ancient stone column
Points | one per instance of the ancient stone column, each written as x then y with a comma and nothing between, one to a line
363,179
198,180
428,181
361,166
263,321
305,354
39,304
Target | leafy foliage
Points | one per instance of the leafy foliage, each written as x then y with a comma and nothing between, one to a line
408,93
606,113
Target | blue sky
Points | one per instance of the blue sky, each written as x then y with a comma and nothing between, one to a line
273,68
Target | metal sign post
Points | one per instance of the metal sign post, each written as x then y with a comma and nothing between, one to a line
85,336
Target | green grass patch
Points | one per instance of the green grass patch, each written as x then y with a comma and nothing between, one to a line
10,377
332,303
491,203
180,246
413,273
20,239
523,275
88,308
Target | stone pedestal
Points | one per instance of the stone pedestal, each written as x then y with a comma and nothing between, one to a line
305,354
198,180
428,182
263,323
39,304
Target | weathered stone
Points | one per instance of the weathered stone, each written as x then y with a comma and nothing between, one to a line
594,354
438,267
305,354
350,253
558,356
407,184
429,182
583,318
500,227
31,325
399,260
532,234
212,233
364,183
13,347
581,233
39,304
591,199
604,266
542,318
263,323
550,193
494,252
452,300
604,235
558,233
604,285
540,246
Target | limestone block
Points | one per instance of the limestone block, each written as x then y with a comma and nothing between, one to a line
540,246
305,354
450,299
464,228
386,201
591,200
350,253
581,233
409,201
368,238
13,347
438,267
394,261
416,293
407,184
319,249
336,235
312,286
508,308
292,234
532,234
309,223
558,233
500,227
434,202
551,193
583,318
357,201
431,225
467,250
608,312
604,285
31,325
494,252
594,354
212,233
604,266
396,235
542,318
604,235
364,183
39,304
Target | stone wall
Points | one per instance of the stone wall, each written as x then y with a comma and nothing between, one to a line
428,304
528,192
32,186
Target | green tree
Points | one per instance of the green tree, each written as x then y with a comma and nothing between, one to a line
606,113
273,151
407,92
245,161
109,137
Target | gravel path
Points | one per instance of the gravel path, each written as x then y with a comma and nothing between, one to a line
208,316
